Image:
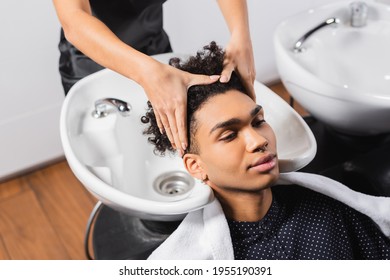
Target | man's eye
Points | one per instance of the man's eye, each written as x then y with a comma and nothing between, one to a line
229,137
258,123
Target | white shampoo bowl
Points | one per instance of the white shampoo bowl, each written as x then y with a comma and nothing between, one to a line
115,162
343,75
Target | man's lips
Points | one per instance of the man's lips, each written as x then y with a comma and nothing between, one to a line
264,163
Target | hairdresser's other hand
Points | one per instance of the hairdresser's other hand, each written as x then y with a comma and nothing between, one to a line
166,88
239,58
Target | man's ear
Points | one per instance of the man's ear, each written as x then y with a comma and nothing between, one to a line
193,164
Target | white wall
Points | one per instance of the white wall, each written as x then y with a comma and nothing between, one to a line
30,88
191,24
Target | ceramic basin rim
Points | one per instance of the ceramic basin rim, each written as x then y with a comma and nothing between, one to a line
348,94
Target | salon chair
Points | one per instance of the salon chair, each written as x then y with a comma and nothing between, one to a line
118,236
362,163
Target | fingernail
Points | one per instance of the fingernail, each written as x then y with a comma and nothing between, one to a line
223,79
180,153
214,77
184,146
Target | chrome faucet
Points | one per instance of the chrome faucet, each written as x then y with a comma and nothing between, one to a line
102,107
359,11
298,45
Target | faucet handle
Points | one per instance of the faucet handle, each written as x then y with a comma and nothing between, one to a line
359,12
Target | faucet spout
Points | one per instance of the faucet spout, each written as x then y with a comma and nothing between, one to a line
102,107
298,45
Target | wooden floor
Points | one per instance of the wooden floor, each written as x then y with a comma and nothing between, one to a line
43,214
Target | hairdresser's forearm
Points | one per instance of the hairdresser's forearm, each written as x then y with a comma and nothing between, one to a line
235,13
97,41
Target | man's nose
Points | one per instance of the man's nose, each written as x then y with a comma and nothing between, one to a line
255,141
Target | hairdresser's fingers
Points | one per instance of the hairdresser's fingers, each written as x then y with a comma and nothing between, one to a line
196,79
167,129
228,68
175,135
247,74
247,80
159,123
181,120
249,85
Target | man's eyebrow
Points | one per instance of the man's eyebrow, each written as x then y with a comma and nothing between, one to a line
255,111
235,121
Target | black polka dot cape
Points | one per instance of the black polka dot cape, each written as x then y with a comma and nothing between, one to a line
303,224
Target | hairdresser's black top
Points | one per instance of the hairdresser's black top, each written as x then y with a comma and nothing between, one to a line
302,224
138,23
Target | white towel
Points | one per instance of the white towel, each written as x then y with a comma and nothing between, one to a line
204,234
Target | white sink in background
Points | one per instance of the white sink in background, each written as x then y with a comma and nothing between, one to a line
115,162
343,75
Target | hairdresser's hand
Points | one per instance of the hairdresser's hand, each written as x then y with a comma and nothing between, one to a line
166,88
239,58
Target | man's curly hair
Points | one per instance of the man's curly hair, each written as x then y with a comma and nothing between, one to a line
208,61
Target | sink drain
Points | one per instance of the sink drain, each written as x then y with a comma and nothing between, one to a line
173,183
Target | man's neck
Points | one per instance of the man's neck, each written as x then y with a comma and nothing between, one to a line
245,206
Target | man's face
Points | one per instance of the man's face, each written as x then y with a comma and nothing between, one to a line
237,149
